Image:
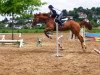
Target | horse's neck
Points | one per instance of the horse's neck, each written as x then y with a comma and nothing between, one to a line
50,23
49,20
44,20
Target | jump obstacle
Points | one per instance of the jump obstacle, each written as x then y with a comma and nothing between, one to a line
97,51
59,41
3,40
58,44
93,36
13,41
39,42
19,34
90,36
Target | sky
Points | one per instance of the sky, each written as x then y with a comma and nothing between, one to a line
66,4
69,4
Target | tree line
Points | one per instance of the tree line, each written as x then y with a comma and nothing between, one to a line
93,14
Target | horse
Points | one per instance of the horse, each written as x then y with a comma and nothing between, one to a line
50,26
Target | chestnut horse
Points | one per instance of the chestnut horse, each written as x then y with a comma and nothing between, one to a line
50,25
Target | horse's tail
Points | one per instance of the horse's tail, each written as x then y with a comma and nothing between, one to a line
87,25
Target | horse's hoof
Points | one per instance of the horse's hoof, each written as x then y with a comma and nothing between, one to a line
84,47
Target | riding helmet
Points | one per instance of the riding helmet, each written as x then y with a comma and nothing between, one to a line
50,6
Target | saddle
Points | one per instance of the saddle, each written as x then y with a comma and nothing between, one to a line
60,23
60,19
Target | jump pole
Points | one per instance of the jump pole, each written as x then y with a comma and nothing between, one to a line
57,47
83,34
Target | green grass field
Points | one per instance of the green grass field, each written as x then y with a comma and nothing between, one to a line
21,30
94,30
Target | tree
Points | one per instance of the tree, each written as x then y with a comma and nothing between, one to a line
18,7
74,13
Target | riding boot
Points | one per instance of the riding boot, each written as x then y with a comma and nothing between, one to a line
60,23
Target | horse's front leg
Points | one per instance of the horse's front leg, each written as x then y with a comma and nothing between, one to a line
45,32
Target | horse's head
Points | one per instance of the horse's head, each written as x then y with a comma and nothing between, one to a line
41,17
35,19
86,23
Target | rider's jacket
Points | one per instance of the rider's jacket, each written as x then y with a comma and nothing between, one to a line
53,13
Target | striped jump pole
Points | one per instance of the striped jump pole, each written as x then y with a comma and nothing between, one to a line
57,42
83,34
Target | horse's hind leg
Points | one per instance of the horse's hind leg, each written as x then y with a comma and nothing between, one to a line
81,40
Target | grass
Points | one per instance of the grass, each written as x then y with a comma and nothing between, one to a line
22,30
94,30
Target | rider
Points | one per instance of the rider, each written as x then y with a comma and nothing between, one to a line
55,15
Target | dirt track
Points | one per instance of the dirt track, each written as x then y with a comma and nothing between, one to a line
32,60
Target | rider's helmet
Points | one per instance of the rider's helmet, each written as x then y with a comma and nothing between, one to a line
50,7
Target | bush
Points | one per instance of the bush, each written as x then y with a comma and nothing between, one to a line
2,25
94,24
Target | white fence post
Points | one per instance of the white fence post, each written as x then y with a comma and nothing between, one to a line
57,42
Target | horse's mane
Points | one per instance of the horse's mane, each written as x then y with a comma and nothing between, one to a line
44,14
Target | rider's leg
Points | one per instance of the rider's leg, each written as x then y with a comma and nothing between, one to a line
59,18
59,22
